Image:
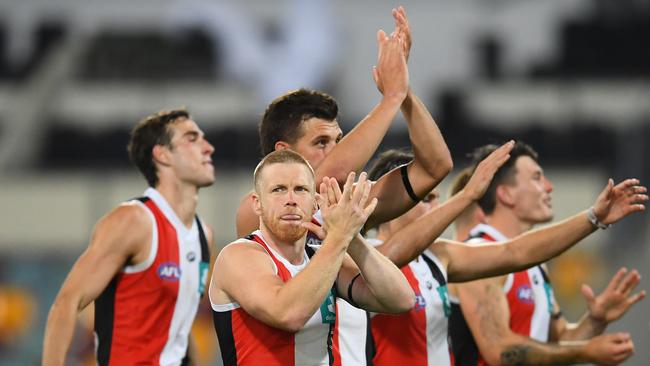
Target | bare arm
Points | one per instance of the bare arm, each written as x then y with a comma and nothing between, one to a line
412,240
609,306
117,238
485,308
244,273
432,159
358,146
472,262
381,287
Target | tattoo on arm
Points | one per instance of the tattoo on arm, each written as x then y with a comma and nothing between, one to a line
515,356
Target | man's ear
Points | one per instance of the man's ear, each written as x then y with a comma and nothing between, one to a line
504,195
281,145
257,205
160,155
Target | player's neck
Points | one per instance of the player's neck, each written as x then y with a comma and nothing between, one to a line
507,223
292,251
182,198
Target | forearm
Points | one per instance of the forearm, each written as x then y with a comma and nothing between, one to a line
387,288
586,328
429,147
59,331
543,244
525,351
408,243
311,285
358,146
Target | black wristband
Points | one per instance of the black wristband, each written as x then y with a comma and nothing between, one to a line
350,299
407,183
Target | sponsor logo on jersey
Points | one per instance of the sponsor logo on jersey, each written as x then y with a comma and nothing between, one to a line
313,240
191,256
169,271
525,294
327,311
420,302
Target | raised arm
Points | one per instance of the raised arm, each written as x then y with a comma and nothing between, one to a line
357,147
244,273
485,309
471,262
432,159
413,239
118,238
609,306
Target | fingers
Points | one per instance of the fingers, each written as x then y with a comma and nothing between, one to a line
371,207
588,293
347,188
361,191
337,189
617,279
629,282
316,229
636,298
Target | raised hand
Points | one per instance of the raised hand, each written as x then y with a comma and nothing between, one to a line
616,202
403,30
391,74
480,180
344,212
610,349
616,299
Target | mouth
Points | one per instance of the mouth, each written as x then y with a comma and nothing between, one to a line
291,218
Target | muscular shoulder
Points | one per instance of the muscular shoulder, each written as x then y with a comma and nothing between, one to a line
126,228
242,258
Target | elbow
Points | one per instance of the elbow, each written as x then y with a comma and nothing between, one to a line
291,323
445,166
402,303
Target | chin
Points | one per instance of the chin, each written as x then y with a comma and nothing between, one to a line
291,234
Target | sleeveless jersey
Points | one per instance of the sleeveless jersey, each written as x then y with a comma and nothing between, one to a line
245,340
530,301
418,337
145,314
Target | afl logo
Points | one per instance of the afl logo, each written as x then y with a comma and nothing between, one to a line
169,271
525,294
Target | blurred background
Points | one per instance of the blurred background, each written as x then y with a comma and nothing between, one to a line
569,77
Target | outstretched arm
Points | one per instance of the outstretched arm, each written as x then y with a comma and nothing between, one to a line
485,309
115,240
609,306
413,239
472,262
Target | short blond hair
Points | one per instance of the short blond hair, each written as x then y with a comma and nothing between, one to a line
280,157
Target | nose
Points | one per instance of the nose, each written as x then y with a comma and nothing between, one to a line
291,199
548,186
209,149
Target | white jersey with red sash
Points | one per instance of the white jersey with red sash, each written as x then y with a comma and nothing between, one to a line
530,301
145,314
245,340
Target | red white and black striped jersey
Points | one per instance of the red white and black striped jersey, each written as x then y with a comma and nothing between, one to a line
145,314
530,301
244,340
418,337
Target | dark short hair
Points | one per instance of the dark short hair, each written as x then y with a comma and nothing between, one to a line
281,157
389,160
283,117
460,181
151,131
504,175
